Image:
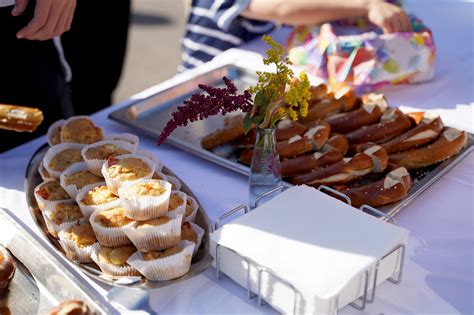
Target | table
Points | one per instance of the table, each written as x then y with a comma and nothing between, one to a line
439,265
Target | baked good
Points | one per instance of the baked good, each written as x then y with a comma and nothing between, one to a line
162,254
7,268
72,307
113,260
109,226
65,212
64,159
147,188
80,129
20,118
232,131
54,132
105,151
48,192
313,140
309,162
112,218
175,201
78,242
98,195
127,169
336,142
187,233
153,222
81,179
82,235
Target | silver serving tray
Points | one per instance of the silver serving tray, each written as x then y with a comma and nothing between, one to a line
200,262
151,115
41,281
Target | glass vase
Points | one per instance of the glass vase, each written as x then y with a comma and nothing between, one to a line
265,170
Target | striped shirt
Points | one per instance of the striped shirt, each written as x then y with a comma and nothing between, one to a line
215,26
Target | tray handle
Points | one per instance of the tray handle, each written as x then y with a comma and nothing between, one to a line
217,224
324,188
268,193
373,210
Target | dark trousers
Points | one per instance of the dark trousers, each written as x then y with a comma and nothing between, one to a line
30,75
95,49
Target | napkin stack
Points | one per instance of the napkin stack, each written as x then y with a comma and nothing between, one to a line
318,244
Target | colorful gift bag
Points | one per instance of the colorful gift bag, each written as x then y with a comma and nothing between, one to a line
362,56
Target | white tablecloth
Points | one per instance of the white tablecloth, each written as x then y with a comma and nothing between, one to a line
439,266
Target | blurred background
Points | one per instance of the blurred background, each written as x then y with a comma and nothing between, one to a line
153,52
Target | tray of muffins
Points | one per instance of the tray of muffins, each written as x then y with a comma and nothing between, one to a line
116,211
32,281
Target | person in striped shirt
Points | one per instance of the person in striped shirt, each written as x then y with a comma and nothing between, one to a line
215,26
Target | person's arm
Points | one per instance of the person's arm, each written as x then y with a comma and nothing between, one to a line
52,18
389,17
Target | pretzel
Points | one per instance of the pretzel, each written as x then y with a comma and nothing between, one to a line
336,142
312,140
20,118
450,142
286,129
309,162
392,188
233,129
392,123
374,105
373,159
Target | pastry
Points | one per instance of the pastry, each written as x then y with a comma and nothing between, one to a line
63,159
54,132
78,242
80,129
108,226
7,268
82,179
49,191
97,197
61,215
187,233
113,260
125,169
162,254
20,118
104,151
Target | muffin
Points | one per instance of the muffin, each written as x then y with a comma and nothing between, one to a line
125,169
61,156
72,307
145,199
177,204
192,208
155,234
193,233
44,173
50,191
77,177
80,129
61,215
96,154
168,264
108,226
175,183
78,242
97,197
7,268
113,260
54,132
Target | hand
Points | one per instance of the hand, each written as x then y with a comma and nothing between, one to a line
389,17
52,18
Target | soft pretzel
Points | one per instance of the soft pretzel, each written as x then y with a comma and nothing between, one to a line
20,118
392,188
336,142
374,105
373,159
450,142
233,129
313,140
309,162
392,123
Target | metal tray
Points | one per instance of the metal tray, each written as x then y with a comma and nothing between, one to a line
199,264
151,115
41,281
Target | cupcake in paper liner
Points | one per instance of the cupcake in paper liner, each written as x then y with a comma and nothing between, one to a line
96,154
177,204
109,226
44,173
60,216
77,177
128,137
151,156
192,208
95,198
156,234
145,199
79,242
193,233
54,132
168,264
126,169
81,129
60,157
175,183
113,260
49,192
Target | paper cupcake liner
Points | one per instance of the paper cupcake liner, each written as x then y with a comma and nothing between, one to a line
200,234
145,207
175,183
53,151
44,173
112,270
155,238
51,130
108,236
42,203
127,137
180,210
95,165
76,118
52,227
149,155
114,184
192,216
88,210
167,268
74,252
72,189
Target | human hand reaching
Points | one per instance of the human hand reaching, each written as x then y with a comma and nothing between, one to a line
51,18
389,17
